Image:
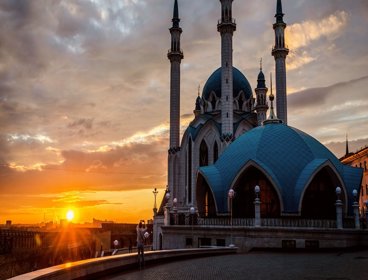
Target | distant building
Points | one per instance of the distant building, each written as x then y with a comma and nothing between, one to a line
359,159
238,177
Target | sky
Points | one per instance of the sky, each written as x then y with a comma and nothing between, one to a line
84,93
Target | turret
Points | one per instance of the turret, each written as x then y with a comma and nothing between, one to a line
280,51
261,96
226,26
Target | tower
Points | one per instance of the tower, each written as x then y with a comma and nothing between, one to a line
175,55
280,51
261,93
226,26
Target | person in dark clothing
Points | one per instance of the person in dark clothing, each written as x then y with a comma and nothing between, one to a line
141,229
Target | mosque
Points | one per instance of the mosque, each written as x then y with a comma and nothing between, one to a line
240,175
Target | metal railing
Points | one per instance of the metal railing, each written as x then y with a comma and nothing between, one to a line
275,222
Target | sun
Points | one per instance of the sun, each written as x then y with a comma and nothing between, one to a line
70,215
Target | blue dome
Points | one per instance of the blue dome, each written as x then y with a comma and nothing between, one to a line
288,156
240,82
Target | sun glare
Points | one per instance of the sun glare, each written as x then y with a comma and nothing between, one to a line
70,215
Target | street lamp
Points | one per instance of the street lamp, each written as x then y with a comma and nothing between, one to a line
231,194
257,207
155,192
167,195
167,208
338,205
356,209
192,212
175,201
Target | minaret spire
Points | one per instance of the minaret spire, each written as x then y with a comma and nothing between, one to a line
226,26
279,14
347,145
176,19
280,51
261,94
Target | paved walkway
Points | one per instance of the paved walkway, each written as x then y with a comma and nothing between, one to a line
261,265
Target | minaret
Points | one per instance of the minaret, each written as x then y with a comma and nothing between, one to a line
280,51
226,26
261,93
175,56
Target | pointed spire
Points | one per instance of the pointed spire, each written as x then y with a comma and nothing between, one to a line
260,65
176,19
261,82
272,117
347,145
279,14
272,97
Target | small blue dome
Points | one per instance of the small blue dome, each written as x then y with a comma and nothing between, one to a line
240,83
287,155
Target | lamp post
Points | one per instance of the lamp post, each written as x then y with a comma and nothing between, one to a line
175,209
167,208
257,207
338,205
192,212
356,209
155,192
231,194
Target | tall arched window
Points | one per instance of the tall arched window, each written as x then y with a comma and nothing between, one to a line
243,203
215,152
320,197
203,154
189,174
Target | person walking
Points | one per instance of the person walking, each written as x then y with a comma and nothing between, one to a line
141,229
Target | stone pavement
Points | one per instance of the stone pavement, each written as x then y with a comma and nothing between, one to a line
261,265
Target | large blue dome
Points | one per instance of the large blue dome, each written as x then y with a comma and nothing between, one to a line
240,83
288,156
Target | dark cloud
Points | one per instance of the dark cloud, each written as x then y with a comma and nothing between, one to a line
85,123
343,91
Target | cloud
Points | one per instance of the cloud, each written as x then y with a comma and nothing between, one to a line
299,37
330,112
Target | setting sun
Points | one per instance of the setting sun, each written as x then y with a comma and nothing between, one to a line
70,215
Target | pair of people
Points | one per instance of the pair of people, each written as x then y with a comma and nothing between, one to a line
141,230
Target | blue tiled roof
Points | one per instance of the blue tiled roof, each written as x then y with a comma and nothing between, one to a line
287,155
240,82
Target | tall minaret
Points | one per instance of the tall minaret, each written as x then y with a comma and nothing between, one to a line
175,56
280,51
226,26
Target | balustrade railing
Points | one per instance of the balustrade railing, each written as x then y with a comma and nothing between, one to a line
275,222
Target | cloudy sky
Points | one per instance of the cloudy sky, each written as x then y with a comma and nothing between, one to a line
84,92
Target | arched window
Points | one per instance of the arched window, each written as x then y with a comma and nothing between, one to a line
215,152
205,200
320,197
189,173
243,203
203,154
